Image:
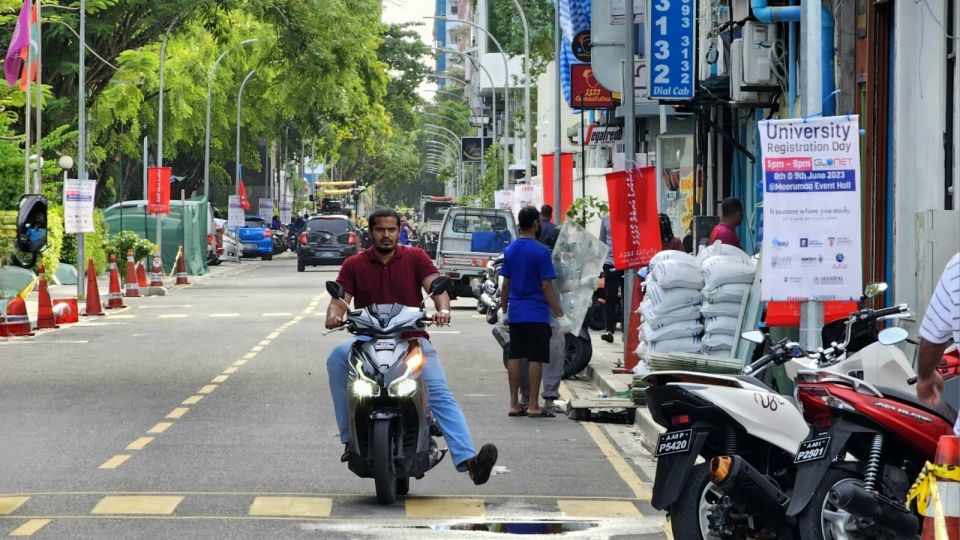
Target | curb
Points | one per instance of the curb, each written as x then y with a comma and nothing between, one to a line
600,372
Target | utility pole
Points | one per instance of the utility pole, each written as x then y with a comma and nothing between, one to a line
811,313
82,138
558,96
629,145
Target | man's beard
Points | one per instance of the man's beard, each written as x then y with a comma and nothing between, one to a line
385,250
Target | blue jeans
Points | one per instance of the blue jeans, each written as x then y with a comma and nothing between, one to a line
443,407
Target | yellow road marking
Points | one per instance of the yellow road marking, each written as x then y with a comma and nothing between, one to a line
230,370
264,343
598,509
173,316
668,529
140,443
114,462
137,504
178,413
160,427
291,507
9,504
249,356
276,314
274,335
207,389
30,527
257,349
240,362
219,378
640,489
192,400
298,318
445,508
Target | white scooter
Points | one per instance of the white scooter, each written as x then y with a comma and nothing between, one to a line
749,436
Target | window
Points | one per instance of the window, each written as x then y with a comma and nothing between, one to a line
453,9
329,225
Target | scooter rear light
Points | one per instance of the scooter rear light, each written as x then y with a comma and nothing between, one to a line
303,239
680,420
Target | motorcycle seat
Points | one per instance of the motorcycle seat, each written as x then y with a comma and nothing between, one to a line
943,410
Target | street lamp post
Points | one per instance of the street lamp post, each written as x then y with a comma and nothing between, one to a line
526,85
236,179
82,138
452,137
506,106
206,137
163,54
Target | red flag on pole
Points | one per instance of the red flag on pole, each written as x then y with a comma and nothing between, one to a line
19,45
242,191
634,222
32,53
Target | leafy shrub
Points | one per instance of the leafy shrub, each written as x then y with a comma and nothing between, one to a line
125,241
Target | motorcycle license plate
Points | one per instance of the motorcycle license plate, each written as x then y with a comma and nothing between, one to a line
674,442
385,345
813,450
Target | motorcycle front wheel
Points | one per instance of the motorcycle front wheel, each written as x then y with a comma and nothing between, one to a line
576,355
492,316
384,474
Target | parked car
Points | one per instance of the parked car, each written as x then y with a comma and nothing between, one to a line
327,239
432,210
469,239
256,238
227,237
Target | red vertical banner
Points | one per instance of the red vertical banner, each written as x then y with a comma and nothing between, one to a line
242,192
634,223
566,182
158,188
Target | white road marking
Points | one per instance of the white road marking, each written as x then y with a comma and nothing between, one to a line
173,316
224,314
276,314
166,306
35,342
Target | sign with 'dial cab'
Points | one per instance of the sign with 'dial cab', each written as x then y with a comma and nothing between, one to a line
158,190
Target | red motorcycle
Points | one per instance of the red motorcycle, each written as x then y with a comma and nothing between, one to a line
889,433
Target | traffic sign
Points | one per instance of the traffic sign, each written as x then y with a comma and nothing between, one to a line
671,46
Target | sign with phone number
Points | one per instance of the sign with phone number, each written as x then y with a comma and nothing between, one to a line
671,55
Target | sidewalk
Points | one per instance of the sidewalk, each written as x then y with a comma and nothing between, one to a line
607,357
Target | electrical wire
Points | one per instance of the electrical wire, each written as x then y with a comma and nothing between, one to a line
933,16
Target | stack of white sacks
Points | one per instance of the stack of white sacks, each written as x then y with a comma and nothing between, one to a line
671,305
727,276
692,304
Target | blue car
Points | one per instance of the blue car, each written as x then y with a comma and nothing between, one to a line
256,238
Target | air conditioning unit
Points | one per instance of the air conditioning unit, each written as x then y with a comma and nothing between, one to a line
759,43
736,74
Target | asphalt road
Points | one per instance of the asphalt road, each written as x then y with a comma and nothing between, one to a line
206,413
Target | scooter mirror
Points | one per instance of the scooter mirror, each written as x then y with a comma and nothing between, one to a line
874,289
753,336
336,290
892,335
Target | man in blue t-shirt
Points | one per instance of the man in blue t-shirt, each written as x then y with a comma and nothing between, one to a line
527,300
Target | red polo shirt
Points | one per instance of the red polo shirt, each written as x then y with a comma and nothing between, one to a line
399,281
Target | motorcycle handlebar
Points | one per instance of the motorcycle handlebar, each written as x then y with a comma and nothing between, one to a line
779,353
892,310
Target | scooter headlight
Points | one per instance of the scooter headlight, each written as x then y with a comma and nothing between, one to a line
489,287
363,388
404,387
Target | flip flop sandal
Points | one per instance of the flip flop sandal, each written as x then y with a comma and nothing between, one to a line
543,414
521,412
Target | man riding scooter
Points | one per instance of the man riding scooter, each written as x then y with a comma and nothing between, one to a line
390,274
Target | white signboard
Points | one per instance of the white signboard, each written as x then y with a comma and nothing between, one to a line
526,195
606,26
503,199
266,210
811,209
235,216
78,205
286,204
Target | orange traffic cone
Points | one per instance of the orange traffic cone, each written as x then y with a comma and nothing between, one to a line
115,297
93,292
181,269
937,491
16,322
132,286
45,317
156,273
142,275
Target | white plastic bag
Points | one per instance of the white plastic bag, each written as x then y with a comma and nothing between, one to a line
672,274
664,300
721,325
731,292
674,255
722,269
719,248
670,331
720,309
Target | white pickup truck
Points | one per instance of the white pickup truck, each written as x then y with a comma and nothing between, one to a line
469,238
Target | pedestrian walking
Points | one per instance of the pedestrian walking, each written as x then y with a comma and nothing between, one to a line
528,299
613,283
548,231
941,324
667,239
731,215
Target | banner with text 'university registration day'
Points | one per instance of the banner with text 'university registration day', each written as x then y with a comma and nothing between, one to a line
811,209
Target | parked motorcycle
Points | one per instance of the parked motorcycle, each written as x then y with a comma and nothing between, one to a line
752,438
390,424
